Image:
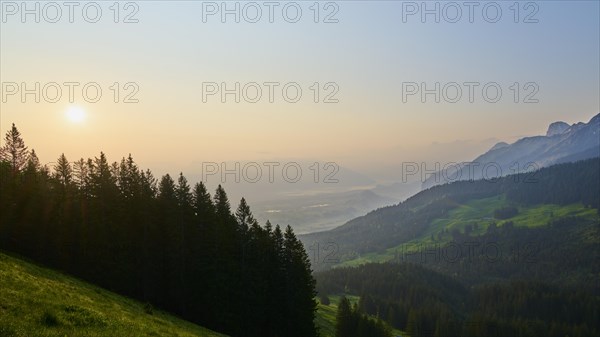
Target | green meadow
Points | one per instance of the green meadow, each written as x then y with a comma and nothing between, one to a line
36,301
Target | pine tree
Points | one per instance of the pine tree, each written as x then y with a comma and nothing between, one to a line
169,227
14,150
62,171
103,181
81,176
129,178
226,265
344,326
203,206
185,218
300,287
244,217
33,163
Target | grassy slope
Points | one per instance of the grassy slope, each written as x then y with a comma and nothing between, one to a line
325,319
480,211
36,301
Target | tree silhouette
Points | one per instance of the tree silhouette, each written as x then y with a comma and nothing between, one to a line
14,150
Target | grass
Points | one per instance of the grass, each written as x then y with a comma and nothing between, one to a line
480,212
325,319
36,301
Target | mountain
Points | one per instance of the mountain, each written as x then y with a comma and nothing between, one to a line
557,128
562,143
399,191
36,301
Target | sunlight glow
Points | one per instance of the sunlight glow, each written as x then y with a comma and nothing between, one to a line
75,114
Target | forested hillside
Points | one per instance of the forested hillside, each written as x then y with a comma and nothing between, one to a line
161,241
424,303
564,184
517,256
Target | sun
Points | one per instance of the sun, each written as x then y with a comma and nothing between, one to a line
75,114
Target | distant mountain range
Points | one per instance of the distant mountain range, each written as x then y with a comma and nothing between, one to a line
562,143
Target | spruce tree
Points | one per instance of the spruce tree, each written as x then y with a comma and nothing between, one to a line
14,150
344,326
62,171
300,288
244,217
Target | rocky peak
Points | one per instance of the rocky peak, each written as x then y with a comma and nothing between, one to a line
556,128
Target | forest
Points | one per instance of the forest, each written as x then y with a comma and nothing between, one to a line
158,240
425,303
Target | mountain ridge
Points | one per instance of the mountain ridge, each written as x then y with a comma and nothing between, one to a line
560,142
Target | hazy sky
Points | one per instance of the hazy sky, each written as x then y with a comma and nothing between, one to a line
368,55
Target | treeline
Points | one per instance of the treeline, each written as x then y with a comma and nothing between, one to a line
424,303
530,308
161,241
565,252
351,322
407,296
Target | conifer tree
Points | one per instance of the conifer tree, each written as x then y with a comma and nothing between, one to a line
62,171
300,287
14,150
343,325
244,217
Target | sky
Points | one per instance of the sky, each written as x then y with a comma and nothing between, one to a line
170,57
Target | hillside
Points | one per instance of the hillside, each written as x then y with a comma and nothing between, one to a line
36,301
436,215
422,302
160,241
